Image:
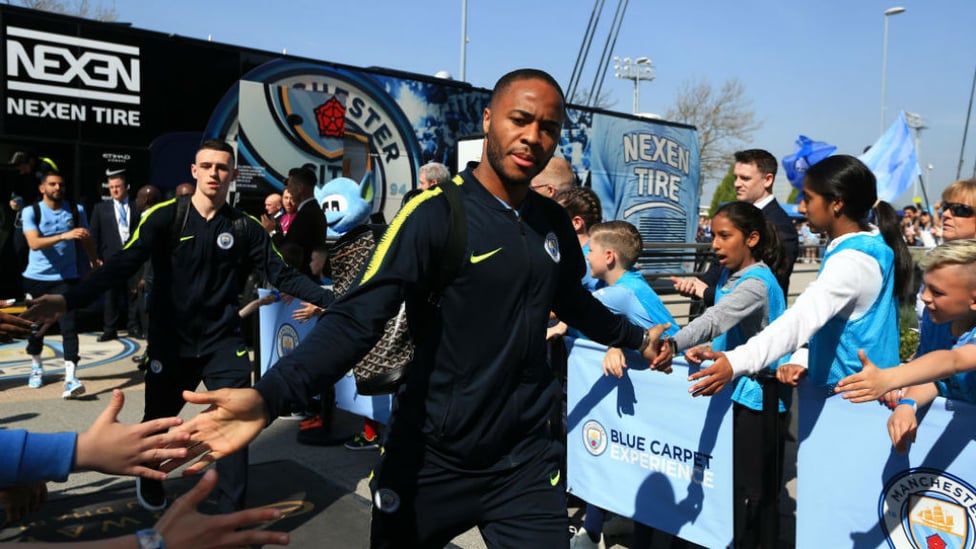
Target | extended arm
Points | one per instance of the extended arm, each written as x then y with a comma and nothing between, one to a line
871,382
747,298
834,292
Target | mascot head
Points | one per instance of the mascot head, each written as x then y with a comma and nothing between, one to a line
344,204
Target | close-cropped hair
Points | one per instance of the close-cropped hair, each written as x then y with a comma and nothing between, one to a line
582,202
764,160
622,238
956,252
524,74
303,175
216,145
962,191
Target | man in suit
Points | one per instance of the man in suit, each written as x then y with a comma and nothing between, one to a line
755,170
112,223
308,229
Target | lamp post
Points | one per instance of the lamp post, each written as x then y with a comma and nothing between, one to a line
639,69
916,123
464,39
884,60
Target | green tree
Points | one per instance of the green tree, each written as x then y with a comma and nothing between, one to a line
79,8
794,194
724,193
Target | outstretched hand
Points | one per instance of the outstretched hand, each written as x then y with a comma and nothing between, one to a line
689,286
869,384
13,326
235,418
45,310
654,348
696,354
665,353
183,526
614,362
121,449
714,378
790,374
902,426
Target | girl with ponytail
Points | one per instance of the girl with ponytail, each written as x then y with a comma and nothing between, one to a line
853,302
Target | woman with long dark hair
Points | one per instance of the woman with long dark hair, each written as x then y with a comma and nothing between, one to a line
853,303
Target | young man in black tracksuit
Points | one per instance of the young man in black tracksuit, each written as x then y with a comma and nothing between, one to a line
200,263
470,442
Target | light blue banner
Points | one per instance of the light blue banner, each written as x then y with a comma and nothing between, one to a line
642,447
280,335
893,160
855,491
647,174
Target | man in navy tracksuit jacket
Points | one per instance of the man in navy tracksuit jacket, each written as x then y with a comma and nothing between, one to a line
200,264
470,442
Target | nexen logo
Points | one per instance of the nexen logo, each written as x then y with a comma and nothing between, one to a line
102,66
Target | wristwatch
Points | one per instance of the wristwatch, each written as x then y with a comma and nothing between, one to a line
674,345
150,539
644,342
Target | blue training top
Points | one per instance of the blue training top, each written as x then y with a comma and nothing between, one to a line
58,262
649,299
960,386
833,349
748,392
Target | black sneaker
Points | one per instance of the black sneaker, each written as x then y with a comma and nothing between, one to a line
360,442
150,494
107,336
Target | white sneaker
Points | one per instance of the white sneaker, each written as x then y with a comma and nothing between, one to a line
72,388
582,541
36,379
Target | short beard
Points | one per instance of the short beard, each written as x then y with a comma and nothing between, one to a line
495,156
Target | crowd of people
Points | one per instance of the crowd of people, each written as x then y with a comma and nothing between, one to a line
543,263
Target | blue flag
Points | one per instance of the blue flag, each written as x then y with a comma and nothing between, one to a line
893,160
807,153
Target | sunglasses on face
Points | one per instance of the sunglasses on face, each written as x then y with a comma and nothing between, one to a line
957,209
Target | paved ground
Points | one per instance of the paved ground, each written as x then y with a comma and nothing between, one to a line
324,490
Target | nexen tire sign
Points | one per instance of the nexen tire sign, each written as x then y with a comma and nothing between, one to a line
58,77
283,134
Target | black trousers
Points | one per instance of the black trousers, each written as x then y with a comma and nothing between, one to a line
168,377
118,299
417,504
748,441
69,333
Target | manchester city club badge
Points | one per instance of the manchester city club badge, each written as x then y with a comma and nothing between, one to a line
928,509
225,241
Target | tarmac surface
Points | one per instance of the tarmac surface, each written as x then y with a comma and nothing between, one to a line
323,490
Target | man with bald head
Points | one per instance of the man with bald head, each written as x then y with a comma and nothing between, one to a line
469,443
184,189
558,176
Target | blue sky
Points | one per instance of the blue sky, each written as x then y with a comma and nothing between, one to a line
811,68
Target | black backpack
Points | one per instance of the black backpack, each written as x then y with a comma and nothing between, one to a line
384,367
